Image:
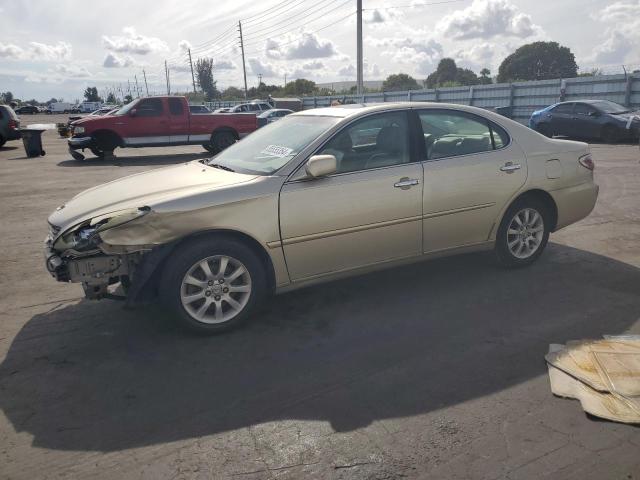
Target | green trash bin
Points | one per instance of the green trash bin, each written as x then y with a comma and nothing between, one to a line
32,140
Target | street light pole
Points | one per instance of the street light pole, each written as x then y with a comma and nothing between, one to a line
359,68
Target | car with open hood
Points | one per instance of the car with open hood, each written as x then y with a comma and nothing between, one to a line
319,195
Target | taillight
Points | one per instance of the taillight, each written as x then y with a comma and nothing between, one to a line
587,162
13,124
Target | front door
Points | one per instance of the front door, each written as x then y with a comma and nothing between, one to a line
368,212
585,121
561,119
148,124
471,170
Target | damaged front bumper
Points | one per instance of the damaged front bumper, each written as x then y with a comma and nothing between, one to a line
79,143
96,271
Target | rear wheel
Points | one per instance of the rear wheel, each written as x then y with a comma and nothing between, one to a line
609,134
523,233
213,284
222,140
208,147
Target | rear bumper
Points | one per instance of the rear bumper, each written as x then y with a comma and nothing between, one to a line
13,135
575,203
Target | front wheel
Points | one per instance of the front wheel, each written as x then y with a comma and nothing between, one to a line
213,284
523,233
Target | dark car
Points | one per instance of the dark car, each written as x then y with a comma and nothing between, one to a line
27,109
601,119
199,109
9,124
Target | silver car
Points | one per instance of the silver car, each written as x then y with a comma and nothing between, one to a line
319,195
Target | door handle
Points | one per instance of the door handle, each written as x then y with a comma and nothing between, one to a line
406,183
510,167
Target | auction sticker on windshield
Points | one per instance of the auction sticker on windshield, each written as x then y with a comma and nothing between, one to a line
277,151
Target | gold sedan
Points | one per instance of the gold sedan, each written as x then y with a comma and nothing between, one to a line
320,195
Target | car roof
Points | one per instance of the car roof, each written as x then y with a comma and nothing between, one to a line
351,110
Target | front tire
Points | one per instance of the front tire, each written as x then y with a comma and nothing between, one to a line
213,284
523,233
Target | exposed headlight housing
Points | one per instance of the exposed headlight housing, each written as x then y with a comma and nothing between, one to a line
78,130
86,235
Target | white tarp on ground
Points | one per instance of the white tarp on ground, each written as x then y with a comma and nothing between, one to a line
604,375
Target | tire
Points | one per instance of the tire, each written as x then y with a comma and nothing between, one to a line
208,148
221,140
188,299
2,140
520,249
544,130
609,134
97,152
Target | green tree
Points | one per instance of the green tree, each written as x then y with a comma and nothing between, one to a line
232,93
446,72
204,76
6,97
91,95
128,98
399,82
111,98
301,86
538,61
485,76
464,76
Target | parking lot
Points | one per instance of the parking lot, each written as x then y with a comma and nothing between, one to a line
434,370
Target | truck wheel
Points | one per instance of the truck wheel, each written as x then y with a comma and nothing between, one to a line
213,284
222,140
208,148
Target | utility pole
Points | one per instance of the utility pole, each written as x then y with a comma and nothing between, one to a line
166,75
285,79
193,78
359,69
259,79
145,81
129,87
137,89
244,67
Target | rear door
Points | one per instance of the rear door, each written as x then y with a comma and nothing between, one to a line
149,124
562,120
471,170
178,121
585,121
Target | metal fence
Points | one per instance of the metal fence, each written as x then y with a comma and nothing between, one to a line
522,98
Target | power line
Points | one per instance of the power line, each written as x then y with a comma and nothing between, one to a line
322,15
430,4
267,12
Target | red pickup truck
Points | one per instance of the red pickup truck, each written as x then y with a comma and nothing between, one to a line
157,122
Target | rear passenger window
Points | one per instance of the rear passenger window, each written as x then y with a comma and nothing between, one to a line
175,106
450,134
563,108
500,136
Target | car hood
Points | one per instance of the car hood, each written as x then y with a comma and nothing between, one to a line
144,189
626,116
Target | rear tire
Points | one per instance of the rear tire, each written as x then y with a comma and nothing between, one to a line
213,284
208,148
523,233
221,140
609,134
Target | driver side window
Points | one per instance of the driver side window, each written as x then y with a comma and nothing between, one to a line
377,141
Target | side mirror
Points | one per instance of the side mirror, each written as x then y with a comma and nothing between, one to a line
321,165
133,112
593,113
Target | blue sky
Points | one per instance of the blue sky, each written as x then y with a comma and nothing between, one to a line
57,48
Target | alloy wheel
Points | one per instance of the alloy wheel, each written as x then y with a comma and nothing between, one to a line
525,233
215,289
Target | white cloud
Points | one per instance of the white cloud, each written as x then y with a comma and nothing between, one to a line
479,55
486,19
114,61
184,45
133,42
374,16
37,51
370,71
621,36
42,51
422,54
72,71
296,47
9,50
314,65
267,69
224,65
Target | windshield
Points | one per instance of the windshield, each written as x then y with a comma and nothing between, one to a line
125,110
271,147
609,107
